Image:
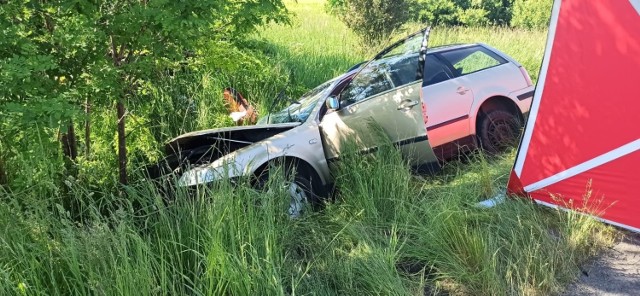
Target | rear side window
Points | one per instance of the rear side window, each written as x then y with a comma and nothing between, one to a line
472,59
435,71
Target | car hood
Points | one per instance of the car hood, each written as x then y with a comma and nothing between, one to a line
239,134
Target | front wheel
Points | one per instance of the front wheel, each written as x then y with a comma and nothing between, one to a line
498,130
301,192
301,196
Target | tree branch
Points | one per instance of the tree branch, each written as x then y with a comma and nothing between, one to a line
121,52
114,52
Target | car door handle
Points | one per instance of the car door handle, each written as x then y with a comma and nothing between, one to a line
407,104
462,90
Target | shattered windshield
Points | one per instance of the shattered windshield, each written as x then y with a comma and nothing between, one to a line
298,111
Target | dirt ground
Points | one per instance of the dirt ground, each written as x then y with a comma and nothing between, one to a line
615,272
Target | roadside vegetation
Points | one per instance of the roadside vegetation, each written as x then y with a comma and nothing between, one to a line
375,20
68,227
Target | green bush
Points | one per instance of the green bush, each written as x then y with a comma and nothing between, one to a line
436,12
462,12
499,12
375,18
370,17
531,13
372,20
473,17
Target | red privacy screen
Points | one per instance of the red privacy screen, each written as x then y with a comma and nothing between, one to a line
582,141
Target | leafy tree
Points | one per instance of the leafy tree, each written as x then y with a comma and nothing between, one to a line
462,12
473,17
498,12
531,13
372,20
40,80
436,12
56,54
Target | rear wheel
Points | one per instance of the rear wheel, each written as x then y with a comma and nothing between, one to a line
498,130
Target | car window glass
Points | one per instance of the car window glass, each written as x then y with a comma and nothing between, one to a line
435,71
403,69
396,67
300,110
403,60
371,81
472,59
408,47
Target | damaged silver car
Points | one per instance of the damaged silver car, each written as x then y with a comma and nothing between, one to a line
430,103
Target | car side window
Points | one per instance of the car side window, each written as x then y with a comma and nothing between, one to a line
396,67
435,71
403,70
372,80
472,59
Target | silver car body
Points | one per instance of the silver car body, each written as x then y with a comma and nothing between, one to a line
452,109
453,105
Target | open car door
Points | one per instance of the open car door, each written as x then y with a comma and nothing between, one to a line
385,93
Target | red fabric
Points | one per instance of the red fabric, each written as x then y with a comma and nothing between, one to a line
590,106
613,191
515,185
591,97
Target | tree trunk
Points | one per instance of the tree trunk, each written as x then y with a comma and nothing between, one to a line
122,144
70,143
87,128
3,173
117,56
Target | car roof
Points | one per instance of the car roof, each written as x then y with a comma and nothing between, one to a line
431,50
447,47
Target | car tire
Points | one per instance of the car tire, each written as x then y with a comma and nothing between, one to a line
301,196
498,130
302,190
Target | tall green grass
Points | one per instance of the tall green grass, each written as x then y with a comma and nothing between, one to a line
226,240
388,233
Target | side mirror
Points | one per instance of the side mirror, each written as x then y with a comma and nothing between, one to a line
333,103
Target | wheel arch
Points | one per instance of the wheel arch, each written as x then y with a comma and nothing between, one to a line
300,165
496,102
